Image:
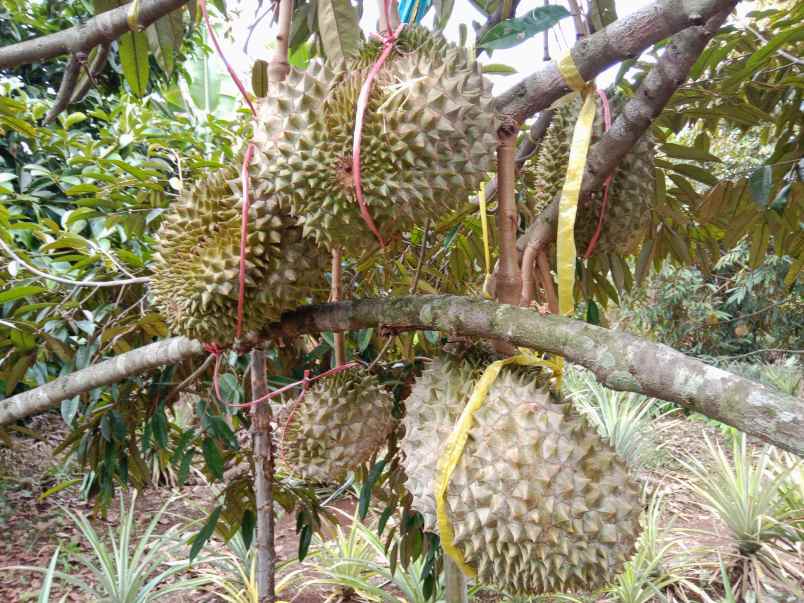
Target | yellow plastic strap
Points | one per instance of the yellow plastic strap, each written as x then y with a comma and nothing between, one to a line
484,224
453,449
568,204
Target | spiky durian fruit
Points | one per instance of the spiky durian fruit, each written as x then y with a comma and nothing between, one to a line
195,279
339,424
428,139
631,193
538,502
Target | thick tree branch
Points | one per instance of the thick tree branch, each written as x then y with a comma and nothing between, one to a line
661,82
619,360
103,28
624,39
168,351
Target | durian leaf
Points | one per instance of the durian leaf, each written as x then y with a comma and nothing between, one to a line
368,485
205,533
338,29
601,13
760,183
134,61
512,32
165,37
678,151
212,457
499,69
259,78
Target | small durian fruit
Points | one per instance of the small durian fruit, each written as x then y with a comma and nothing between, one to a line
631,193
538,502
340,423
196,268
428,137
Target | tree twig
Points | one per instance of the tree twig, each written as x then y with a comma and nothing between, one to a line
414,285
336,295
91,72
509,282
66,281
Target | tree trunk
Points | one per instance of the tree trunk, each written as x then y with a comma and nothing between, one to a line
454,582
262,444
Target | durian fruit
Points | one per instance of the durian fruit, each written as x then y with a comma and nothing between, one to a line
341,421
631,193
538,502
428,138
195,281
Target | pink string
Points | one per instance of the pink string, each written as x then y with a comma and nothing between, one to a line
388,42
303,382
238,83
604,204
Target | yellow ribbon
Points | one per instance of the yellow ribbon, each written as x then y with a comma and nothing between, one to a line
453,449
568,204
484,225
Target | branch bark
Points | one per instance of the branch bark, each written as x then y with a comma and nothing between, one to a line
102,28
661,82
146,358
262,438
620,360
624,39
509,281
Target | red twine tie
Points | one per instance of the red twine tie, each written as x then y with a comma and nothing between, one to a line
604,204
388,42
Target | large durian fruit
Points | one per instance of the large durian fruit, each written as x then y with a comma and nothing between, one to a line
538,503
340,423
429,135
631,193
195,281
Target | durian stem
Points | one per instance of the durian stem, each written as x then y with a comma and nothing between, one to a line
543,265
279,67
454,582
336,295
509,282
262,443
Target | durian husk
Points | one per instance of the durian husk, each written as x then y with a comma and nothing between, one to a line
195,281
631,193
338,425
428,138
538,502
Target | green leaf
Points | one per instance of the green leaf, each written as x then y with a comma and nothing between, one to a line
499,69
204,533
300,56
73,119
247,525
681,152
165,37
512,32
769,47
760,184
592,313
134,61
364,339
368,485
602,13
305,537
338,29
20,291
69,408
259,78
58,488
212,457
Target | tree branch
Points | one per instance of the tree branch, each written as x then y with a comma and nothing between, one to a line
661,82
624,39
167,351
620,360
102,28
